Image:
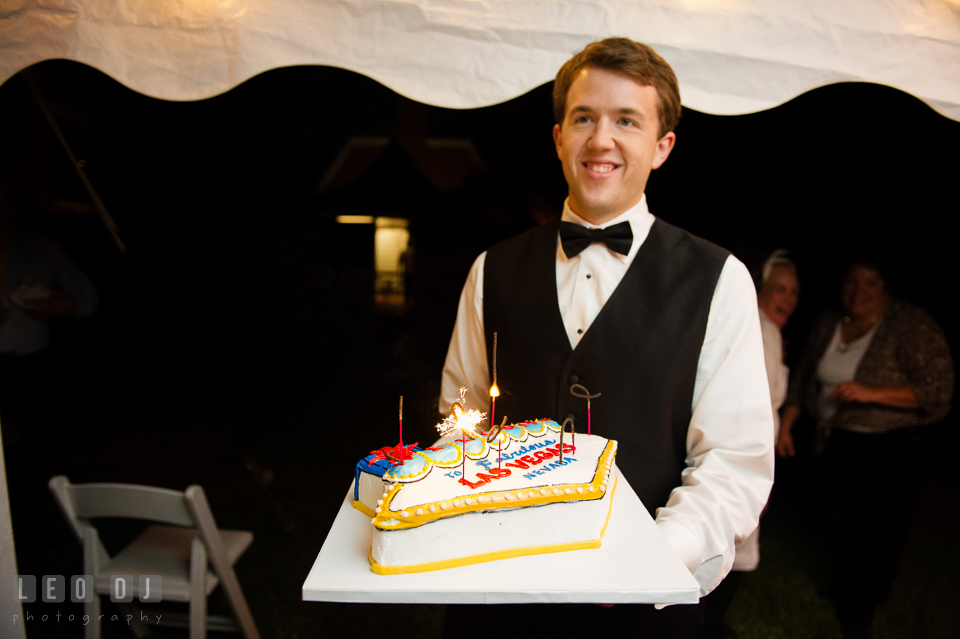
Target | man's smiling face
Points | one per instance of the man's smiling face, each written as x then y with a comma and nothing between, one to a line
609,143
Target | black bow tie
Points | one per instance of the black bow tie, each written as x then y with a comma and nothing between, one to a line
574,238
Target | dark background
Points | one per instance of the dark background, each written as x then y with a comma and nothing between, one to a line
237,344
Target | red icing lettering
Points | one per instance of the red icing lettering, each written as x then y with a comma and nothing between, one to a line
539,456
484,478
523,463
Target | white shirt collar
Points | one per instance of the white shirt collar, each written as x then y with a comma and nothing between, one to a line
638,216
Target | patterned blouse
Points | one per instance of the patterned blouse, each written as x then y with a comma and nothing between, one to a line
908,349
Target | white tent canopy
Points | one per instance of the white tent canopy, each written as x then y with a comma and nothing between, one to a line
731,56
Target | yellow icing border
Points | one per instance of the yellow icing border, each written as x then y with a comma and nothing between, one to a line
392,520
362,507
496,555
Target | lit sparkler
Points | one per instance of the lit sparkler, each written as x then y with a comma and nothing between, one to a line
462,420
465,421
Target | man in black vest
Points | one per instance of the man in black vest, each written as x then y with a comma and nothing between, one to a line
662,323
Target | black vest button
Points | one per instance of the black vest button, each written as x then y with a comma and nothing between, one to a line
573,379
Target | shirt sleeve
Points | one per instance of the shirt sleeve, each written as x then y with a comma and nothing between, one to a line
729,463
923,355
466,363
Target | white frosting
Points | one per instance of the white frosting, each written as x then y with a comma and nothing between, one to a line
485,532
371,491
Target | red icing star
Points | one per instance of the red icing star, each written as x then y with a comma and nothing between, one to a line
396,453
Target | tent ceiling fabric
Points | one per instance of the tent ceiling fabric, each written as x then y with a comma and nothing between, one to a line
732,56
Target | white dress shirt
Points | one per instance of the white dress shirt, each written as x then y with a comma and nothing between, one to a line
729,463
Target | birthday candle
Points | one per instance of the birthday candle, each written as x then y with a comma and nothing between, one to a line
494,393
585,394
588,416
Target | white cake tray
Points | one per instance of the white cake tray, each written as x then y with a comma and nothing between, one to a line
635,564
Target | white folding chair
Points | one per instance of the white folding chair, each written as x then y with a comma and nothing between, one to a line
179,554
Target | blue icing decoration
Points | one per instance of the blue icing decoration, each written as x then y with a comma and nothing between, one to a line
380,466
476,446
448,454
535,428
514,430
377,469
410,468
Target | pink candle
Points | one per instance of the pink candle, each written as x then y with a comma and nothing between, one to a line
494,393
463,464
577,390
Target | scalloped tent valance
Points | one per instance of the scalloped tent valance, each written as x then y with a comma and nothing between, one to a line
731,56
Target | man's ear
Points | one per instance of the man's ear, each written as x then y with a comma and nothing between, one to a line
556,138
664,146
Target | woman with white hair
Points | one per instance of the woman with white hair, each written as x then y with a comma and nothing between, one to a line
777,299
779,290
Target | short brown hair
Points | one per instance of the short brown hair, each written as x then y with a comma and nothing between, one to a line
635,60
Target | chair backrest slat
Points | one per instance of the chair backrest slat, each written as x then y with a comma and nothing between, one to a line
128,501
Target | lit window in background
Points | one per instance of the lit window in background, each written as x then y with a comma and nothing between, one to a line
354,219
390,244
391,241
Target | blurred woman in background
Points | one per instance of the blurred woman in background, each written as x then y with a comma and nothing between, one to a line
870,376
